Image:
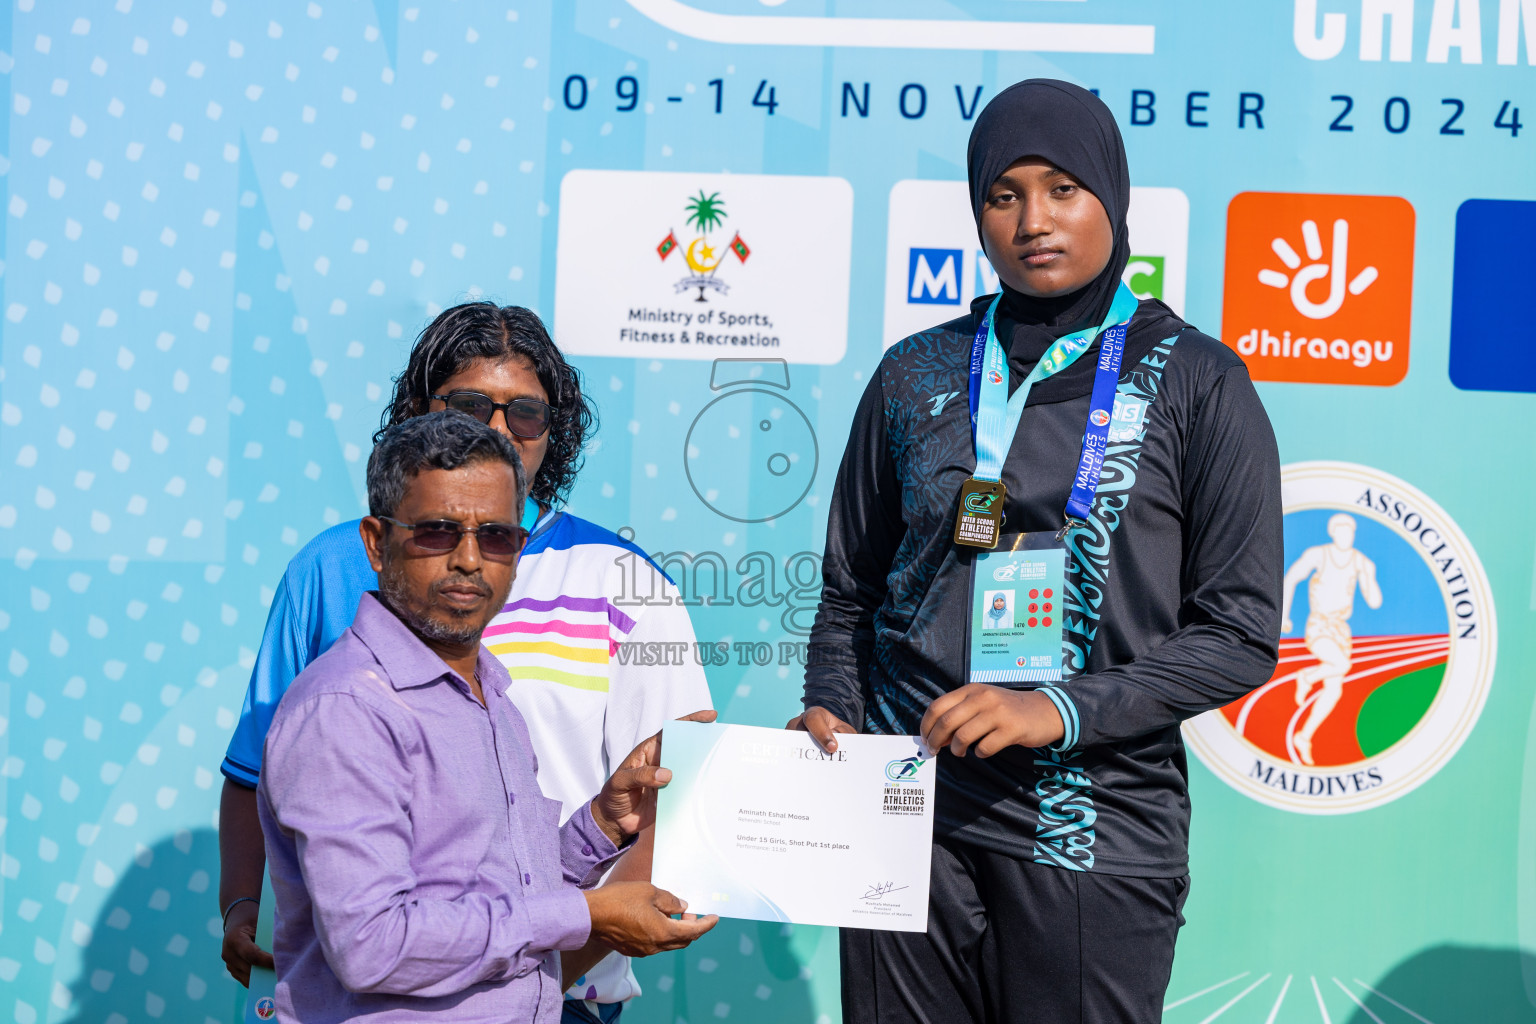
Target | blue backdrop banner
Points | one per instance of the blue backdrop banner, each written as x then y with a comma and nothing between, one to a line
225,221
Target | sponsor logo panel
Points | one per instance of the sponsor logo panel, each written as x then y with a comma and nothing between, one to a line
704,266
1493,339
1319,288
1386,654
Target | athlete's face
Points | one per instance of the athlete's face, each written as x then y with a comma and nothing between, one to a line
1045,234
999,603
503,380
446,596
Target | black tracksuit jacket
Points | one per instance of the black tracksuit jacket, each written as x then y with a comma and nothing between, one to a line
1172,603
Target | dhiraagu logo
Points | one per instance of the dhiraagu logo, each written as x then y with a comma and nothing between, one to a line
904,770
980,504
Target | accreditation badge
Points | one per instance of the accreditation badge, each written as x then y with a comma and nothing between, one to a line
979,522
1015,632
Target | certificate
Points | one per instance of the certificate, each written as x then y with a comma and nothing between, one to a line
763,824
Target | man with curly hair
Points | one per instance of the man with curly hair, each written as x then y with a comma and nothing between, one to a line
585,710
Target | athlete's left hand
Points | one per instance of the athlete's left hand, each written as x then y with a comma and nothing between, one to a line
990,718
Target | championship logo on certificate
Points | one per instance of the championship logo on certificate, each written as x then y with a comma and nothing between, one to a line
1387,649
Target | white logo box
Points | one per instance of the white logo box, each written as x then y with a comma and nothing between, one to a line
937,215
788,300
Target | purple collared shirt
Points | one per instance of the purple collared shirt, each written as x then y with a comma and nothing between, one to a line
417,867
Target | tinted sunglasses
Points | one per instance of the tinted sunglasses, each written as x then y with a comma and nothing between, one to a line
526,417
498,540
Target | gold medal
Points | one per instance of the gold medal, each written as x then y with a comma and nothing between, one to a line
980,520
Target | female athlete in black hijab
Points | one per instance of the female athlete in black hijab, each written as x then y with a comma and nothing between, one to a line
1061,818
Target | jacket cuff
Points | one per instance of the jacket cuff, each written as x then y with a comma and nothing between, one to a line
1069,717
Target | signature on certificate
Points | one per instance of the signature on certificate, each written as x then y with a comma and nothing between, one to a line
881,889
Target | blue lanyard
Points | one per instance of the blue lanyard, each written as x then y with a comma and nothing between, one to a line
995,415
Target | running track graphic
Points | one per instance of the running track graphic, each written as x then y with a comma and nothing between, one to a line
1268,717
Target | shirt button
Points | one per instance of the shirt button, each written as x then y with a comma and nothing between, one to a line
511,798
527,879
586,850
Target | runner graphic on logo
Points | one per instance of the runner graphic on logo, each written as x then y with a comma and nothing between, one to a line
1332,571
1386,655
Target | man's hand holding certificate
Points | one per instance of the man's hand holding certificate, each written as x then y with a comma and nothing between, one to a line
764,824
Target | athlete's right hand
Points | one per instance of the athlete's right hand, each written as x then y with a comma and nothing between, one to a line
635,918
823,726
240,950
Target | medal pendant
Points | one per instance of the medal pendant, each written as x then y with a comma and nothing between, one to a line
979,523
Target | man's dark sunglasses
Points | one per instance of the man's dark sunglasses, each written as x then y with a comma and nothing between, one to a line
526,417
499,540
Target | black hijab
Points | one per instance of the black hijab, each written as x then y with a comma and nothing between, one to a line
1073,129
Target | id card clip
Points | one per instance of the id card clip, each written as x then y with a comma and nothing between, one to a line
979,523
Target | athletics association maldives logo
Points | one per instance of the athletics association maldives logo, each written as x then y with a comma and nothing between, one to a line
705,214
1387,649
266,1008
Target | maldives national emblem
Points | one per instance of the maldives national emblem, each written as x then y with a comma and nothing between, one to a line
1387,649
705,213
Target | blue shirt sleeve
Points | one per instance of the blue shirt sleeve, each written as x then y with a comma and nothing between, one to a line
314,604
284,653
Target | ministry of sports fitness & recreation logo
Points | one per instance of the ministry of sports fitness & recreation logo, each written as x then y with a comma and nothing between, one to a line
1388,642
705,214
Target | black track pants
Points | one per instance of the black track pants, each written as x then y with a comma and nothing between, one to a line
1013,941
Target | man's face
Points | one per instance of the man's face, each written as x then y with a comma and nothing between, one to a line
446,596
503,380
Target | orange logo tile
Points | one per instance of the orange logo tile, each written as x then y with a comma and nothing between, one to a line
1319,289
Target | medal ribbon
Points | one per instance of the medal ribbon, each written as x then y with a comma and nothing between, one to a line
995,415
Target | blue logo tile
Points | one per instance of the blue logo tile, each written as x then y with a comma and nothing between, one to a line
933,276
1493,338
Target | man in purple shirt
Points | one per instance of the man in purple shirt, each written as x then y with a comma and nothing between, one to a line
418,870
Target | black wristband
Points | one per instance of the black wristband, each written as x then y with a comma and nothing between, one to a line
235,903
